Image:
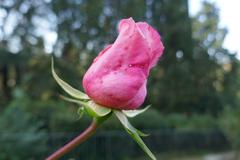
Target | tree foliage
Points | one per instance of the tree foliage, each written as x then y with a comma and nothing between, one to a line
195,75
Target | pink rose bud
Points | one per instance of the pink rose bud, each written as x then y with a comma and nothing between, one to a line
118,76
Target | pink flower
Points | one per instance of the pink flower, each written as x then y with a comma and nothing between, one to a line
118,76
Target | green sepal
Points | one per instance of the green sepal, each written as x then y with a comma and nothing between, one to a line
134,113
133,132
130,127
80,112
104,118
97,110
92,108
140,133
66,87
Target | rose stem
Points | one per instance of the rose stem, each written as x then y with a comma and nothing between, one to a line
75,142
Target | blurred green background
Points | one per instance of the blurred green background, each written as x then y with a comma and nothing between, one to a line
194,89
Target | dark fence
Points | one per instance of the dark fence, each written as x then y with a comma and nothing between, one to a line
118,145
109,145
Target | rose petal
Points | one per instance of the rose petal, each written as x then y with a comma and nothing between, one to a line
154,41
